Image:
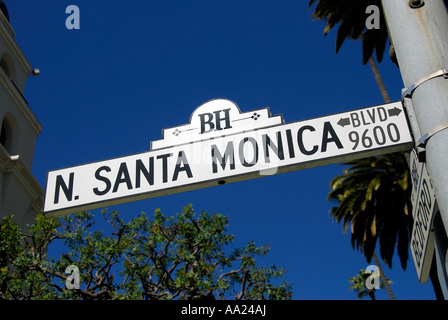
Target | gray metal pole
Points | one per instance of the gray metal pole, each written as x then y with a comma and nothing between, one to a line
420,39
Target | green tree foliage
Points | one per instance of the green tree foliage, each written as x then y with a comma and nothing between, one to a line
186,256
358,284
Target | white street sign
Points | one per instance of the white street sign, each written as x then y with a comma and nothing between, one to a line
222,145
423,209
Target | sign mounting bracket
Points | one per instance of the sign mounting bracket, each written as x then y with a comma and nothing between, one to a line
424,139
409,91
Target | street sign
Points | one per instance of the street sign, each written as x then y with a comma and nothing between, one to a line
423,210
219,145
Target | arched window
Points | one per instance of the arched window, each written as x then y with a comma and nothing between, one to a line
4,9
7,134
5,68
3,135
7,64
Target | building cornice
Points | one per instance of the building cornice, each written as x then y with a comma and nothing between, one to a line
20,101
5,23
8,34
14,166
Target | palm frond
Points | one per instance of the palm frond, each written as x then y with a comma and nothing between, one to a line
372,197
351,16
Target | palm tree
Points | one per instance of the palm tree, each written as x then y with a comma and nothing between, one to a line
351,16
372,197
359,284
379,172
384,280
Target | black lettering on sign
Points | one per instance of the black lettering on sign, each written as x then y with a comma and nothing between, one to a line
68,190
148,173
300,141
369,116
122,177
229,154
382,114
182,165
292,154
330,135
355,119
277,148
98,176
207,120
417,251
425,204
164,158
379,136
254,144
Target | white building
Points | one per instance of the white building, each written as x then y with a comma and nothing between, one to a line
20,193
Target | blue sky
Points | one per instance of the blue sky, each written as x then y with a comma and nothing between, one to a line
136,67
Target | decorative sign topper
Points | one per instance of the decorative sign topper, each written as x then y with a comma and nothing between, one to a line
219,145
214,119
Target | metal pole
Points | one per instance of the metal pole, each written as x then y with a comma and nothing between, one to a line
419,33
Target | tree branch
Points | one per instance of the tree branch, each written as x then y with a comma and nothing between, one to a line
243,285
